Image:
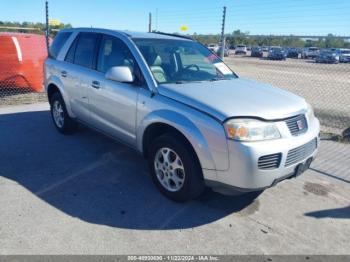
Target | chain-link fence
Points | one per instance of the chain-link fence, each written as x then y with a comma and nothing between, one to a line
302,49
325,86
313,64
22,53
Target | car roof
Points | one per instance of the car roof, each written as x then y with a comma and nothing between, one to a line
132,34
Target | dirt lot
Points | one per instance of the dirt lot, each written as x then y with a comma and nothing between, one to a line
17,97
325,86
85,194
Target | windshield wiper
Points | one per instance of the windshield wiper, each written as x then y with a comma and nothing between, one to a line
185,82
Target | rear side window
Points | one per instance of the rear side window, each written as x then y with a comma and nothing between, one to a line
85,50
58,43
71,52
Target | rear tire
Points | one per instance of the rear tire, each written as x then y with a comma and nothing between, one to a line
62,121
175,168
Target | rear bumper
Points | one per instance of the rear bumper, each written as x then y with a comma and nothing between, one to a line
244,173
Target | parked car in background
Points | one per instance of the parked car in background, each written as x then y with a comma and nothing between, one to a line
226,51
293,53
310,52
257,52
213,47
327,56
241,49
195,121
21,61
344,56
265,48
232,47
277,53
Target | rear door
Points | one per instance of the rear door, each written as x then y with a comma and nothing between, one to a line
79,72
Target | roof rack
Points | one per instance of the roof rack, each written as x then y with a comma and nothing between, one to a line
175,35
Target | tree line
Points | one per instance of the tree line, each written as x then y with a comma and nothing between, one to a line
233,39
238,37
29,27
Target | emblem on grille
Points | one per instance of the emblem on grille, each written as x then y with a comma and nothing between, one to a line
300,124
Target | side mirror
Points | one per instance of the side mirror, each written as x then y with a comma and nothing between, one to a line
120,74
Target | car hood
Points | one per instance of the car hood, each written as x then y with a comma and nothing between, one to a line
237,97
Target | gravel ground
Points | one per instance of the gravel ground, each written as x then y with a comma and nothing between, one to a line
21,98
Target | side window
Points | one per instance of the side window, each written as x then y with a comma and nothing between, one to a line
71,52
113,52
58,43
85,49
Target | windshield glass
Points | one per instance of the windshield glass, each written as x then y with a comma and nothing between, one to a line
178,61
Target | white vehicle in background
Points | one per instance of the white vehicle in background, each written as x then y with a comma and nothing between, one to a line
213,47
310,52
344,56
241,49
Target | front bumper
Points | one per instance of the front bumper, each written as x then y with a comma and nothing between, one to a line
245,175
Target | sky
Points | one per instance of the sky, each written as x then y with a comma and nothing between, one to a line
280,17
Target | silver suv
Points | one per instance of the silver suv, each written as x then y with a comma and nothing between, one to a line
173,100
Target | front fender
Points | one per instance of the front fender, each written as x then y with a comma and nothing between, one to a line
54,80
183,125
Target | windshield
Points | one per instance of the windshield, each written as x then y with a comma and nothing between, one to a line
179,61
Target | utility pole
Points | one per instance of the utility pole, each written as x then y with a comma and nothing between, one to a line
47,29
156,19
150,22
223,34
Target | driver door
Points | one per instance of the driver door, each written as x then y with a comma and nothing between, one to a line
113,104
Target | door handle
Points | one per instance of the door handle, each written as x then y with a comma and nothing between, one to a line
95,84
64,73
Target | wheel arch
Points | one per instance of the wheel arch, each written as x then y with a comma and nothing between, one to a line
164,121
55,85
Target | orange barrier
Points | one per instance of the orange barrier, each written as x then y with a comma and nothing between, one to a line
21,61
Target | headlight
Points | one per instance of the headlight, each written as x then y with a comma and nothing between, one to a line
245,129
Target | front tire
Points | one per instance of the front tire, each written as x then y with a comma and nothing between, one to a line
62,121
175,168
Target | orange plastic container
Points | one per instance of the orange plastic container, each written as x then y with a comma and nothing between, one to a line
21,61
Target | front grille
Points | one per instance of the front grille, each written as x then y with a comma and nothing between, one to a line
297,125
270,161
300,153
